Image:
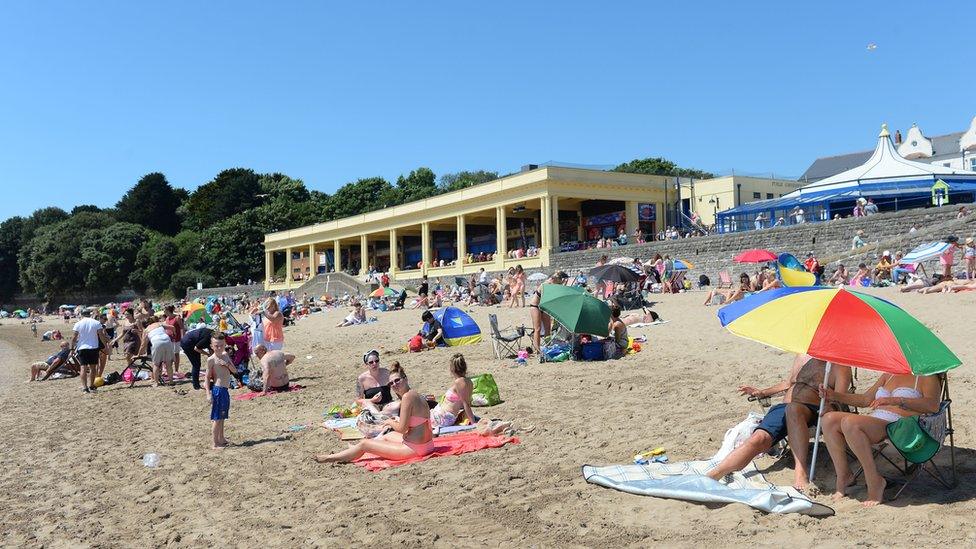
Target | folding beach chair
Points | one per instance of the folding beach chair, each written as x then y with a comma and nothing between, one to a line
505,344
138,364
939,427
676,283
724,280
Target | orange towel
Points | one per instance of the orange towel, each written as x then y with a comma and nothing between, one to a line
451,445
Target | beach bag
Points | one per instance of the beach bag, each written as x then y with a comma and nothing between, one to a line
370,424
703,281
416,344
484,391
592,350
112,378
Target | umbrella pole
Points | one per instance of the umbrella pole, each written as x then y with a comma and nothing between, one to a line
816,437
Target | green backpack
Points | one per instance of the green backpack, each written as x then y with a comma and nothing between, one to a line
485,391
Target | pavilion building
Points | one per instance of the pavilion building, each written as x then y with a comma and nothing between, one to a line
532,214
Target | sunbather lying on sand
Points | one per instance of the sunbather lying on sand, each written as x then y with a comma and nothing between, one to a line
945,286
411,435
790,420
731,294
357,316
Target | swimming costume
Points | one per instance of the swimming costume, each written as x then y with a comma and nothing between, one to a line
889,417
442,417
373,391
220,403
452,396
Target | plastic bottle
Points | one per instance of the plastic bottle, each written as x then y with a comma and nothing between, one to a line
150,460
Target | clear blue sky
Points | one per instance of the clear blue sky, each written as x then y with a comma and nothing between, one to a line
96,94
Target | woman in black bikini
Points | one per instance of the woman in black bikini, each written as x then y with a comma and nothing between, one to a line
540,319
373,385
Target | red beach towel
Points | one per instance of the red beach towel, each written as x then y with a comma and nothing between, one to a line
252,395
452,445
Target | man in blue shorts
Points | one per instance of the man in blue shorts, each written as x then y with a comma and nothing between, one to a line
790,419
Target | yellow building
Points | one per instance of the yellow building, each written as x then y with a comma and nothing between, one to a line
528,214
707,197
531,215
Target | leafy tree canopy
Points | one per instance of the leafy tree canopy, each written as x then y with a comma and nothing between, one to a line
51,262
152,203
108,256
417,185
462,180
11,231
231,192
364,195
660,166
41,218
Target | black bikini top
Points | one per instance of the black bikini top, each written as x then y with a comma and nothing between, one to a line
385,391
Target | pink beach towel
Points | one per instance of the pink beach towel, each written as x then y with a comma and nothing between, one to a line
452,445
252,395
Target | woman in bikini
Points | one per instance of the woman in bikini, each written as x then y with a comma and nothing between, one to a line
541,322
373,385
518,287
457,399
892,397
411,435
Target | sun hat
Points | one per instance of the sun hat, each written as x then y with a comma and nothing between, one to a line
969,240
911,440
887,253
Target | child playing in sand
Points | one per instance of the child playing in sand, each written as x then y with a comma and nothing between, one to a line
862,275
219,371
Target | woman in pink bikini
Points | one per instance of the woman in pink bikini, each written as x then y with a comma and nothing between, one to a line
457,399
411,436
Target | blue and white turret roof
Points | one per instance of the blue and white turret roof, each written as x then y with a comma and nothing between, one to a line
884,165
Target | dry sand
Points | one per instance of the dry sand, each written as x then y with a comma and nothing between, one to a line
73,473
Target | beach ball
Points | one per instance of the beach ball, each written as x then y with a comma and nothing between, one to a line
99,381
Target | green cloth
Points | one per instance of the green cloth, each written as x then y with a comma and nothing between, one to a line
911,440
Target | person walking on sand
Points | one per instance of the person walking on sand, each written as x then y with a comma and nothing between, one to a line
219,371
88,334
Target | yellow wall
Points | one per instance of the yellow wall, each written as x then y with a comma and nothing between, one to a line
723,189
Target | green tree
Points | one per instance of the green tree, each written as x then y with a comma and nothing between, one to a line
231,192
51,262
155,264
418,184
108,256
187,278
660,166
11,232
361,196
462,180
41,218
188,245
152,203
86,208
278,186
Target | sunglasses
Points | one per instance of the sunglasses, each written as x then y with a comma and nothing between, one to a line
372,362
395,381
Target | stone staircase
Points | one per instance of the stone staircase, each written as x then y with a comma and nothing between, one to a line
335,283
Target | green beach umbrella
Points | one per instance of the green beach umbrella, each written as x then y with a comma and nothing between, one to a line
575,309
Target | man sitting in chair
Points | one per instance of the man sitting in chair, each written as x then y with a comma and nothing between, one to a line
790,419
55,362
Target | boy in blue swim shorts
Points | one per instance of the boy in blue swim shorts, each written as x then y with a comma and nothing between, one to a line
790,420
219,371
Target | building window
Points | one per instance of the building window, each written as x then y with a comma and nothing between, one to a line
972,164
757,196
947,164
769,195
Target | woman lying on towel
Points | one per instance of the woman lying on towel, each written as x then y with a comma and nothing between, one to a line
411,434
892,397
457,398
373,386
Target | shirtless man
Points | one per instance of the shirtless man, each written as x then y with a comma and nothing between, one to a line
219,371
791,419
274,368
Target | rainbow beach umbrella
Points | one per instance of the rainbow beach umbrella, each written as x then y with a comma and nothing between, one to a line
196,312
384,292
682,265
839,326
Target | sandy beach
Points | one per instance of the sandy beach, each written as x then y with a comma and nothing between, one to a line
73,473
